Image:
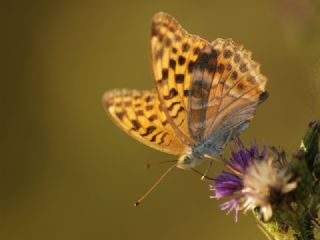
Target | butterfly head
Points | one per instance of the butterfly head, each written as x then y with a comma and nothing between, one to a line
186,162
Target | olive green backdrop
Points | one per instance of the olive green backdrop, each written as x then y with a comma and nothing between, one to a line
66,172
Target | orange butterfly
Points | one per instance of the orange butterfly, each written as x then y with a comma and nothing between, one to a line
206,94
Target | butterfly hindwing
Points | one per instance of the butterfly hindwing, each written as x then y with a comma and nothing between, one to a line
140,115
226,88
238,88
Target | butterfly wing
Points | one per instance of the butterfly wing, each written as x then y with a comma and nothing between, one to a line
238,88
226,87
206,92
140,115
205,88
174,53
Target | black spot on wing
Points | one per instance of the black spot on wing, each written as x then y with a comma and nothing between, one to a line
139,113
173,93
229,67
207,61
181,109
119,115
148,99
190,66
136,124
241,86
162,138
154,137
185,47
172,64
164,78
172,105
227,53
148,131
152,118
164,73
179,78
234,75
196,51
181,60
172,28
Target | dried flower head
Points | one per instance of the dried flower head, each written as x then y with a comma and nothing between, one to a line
255,182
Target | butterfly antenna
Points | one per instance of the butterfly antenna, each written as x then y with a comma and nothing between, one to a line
150,165
154,185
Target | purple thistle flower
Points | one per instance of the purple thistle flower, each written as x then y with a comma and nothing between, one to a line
251,181
240,160
231,205
227,184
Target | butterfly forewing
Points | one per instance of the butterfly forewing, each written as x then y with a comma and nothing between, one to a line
140,114
174,53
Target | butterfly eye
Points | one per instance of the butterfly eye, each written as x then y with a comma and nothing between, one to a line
187,160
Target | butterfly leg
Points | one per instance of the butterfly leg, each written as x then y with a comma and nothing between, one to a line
204,176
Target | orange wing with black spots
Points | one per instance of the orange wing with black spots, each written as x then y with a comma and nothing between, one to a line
140,115
174,53
226,88
204,87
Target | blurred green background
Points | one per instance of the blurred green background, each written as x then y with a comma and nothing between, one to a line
67,172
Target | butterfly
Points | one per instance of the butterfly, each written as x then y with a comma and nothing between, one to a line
206,94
